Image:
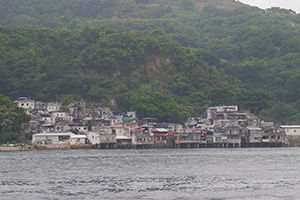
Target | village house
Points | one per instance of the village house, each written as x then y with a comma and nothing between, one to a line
189,138
40,104
48,120
123,136
52,138
53,106
103,112
102,140
163,138
112,121
102,129
292,134
149,120
80,128
267,137
130,114
142,138
221,140
62,116
26,103
220,109
77,108
78,139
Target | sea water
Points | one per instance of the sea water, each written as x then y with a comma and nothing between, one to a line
216,174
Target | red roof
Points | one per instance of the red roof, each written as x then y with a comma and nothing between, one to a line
171,132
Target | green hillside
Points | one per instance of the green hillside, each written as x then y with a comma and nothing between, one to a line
197,52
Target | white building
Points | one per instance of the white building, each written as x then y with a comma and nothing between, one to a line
52,138
292,131
100,138
62,116
53,106
48,120
26,103
80,128
131,114
77,139
220,109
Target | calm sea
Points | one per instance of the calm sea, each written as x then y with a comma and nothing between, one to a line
216,174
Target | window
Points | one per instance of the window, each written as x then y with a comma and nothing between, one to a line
294,131
273,137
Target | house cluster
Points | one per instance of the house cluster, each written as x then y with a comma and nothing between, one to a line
78,124
226,126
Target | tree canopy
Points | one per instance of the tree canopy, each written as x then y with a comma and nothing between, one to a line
190,50
11,118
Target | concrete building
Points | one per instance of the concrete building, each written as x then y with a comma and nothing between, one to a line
78,139
142,138
102,140
53,106
292,133
52,138
26,103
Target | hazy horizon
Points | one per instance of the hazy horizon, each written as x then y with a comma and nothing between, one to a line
287,4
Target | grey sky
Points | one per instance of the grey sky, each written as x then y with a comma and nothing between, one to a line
288,4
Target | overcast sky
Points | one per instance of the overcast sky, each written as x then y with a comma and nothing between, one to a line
288,4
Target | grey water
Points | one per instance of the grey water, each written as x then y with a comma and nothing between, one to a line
213,174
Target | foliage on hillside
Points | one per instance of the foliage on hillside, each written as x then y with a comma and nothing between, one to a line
73,14
11,118
235,46
100,64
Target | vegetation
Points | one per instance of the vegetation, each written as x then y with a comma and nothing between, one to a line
11,118
183,54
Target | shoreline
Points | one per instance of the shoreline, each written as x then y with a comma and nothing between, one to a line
89,146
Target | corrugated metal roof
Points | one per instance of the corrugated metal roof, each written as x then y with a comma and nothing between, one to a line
290,126
123,137
162,130
254,128
128,119
55,134
78,136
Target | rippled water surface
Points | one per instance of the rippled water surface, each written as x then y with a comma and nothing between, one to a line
216,174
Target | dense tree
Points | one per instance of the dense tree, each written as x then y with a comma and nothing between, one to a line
130,52
161,106
11,118
256,100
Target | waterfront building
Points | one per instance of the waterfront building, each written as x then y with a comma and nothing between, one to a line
52,138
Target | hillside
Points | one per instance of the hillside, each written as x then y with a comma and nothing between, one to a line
244,52
73,13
